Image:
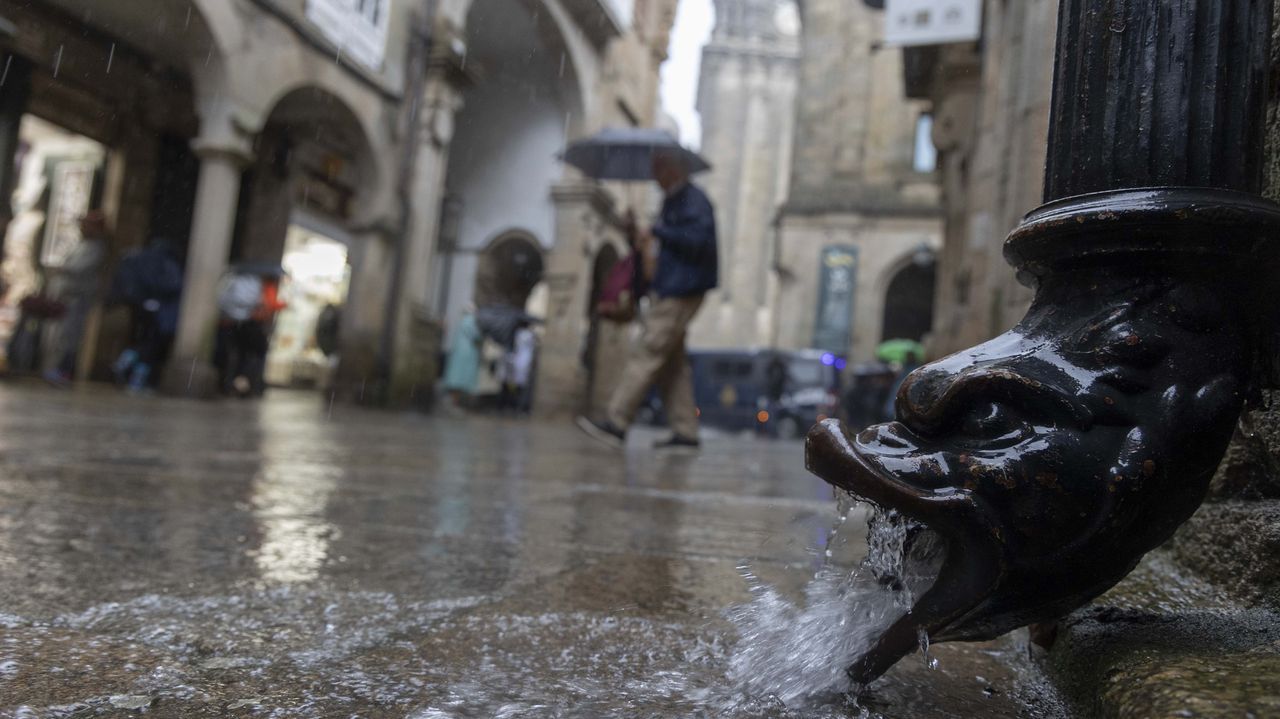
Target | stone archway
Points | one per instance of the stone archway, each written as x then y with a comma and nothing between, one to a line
299,202
508,270
513,120
313,155
909,299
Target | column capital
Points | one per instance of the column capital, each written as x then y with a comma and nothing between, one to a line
226,133
236,151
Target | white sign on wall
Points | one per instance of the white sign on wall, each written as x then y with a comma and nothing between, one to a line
357,27
932,22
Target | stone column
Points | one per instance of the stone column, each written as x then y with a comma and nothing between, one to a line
583,214
415,331
364,314
191,372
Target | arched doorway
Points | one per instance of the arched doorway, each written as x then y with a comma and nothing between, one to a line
908,302
508,271
514,119
297,201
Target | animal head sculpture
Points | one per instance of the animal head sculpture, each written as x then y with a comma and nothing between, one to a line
1052,458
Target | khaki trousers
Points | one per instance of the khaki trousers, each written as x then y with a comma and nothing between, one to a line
660,359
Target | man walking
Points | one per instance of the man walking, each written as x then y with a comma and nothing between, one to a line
684,241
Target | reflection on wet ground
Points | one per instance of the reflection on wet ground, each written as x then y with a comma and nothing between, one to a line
288,559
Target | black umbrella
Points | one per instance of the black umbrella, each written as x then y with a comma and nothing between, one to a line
261,268
500,322
627,154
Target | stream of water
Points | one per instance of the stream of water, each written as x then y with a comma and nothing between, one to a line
797,651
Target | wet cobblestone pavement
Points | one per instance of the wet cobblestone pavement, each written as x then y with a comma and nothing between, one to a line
292,559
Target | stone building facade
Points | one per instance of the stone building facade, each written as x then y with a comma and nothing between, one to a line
991,123
244,129
857,233
746,96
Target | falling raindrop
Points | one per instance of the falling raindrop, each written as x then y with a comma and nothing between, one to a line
8,61
562,61
111,57
186,24
57,62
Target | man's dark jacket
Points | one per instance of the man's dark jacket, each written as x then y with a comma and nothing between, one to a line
689,264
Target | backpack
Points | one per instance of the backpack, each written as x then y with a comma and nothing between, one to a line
618,297
240,296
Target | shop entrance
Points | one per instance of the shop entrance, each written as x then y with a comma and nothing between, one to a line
304,345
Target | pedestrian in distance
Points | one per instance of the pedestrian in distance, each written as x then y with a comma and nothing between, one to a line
148,281
462,367
248,302
684,243
77,284
519,370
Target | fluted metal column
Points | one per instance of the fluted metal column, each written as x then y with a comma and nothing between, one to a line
1159,93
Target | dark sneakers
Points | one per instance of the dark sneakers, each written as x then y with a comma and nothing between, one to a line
604,432
678,443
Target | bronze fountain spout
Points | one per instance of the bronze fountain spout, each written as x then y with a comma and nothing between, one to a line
1053,457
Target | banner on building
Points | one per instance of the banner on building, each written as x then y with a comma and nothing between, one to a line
357,27
837,283
932,22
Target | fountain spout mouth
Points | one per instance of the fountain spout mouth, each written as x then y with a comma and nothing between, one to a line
971,568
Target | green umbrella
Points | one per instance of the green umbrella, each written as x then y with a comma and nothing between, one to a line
900,352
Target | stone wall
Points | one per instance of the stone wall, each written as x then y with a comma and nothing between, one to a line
884,246
992,108
853,180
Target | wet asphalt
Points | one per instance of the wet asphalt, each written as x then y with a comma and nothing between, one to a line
297,558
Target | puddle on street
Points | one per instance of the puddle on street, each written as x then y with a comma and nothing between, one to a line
292,654
322,571
298,652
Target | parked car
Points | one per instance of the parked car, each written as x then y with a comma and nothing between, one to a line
731,390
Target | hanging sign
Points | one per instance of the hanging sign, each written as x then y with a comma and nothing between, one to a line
357,27
838,281
932,22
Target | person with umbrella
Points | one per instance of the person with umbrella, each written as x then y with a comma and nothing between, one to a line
684,242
